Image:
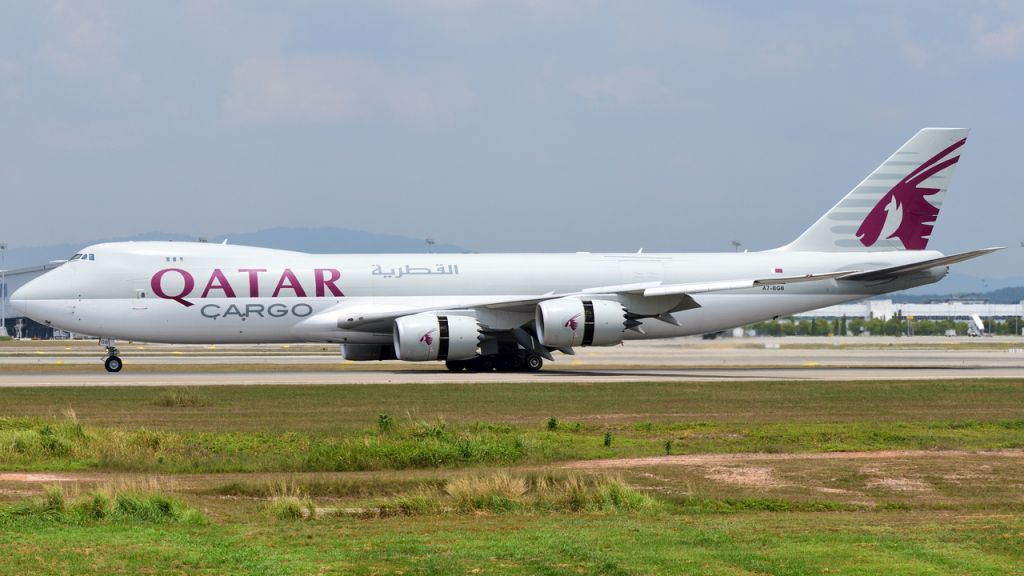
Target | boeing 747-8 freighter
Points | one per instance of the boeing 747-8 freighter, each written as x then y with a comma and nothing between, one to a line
483,312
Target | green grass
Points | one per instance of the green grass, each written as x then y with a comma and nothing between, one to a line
340,409
742,543
44,444
35,444
459,479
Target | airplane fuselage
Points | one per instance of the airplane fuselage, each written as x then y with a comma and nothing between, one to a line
177,292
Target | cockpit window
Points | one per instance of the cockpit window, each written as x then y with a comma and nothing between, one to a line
75,257
82,257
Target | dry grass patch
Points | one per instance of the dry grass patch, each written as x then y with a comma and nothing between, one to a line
181,397
106,503
502,492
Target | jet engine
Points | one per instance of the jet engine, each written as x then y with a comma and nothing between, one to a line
568,322
428,336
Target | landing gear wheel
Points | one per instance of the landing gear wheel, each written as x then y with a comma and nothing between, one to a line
516,363
113,364
455,365
503,364
480,364
534,362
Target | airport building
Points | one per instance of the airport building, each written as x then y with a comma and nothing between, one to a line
19,326
952,309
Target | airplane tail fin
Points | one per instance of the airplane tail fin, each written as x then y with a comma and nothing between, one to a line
896,206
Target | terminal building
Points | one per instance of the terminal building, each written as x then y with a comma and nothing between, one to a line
952,309
981,316
19,326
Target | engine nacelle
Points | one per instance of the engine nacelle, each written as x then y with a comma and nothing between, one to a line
367,352
421,337
569,322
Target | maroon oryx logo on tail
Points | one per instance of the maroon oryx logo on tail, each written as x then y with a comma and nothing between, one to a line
571,323
918,214
427,338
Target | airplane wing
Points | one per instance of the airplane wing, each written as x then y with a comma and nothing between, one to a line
893,271
379,319
702,288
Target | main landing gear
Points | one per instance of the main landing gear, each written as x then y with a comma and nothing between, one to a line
112,362
522,362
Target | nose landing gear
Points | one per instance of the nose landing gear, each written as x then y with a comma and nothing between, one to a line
112,362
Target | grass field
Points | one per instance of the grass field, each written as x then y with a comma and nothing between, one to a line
762,478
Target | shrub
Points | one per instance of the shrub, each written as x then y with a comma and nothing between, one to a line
122,506
291,508
53,498
552,424
495,493
95,507
384,423
417,504
607,439
569,493
180,397
289,502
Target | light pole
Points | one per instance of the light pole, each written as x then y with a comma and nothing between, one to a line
3,289
736,245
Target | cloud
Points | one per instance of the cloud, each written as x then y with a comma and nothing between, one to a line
627,87
84,44
339,88
782,58
229,31
479,17
1005,41
10,86
914,55
84,38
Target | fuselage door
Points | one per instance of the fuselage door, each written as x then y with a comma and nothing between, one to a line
139,301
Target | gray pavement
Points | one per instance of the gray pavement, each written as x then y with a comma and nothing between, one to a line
687,359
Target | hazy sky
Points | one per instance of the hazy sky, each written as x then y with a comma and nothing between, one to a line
524,125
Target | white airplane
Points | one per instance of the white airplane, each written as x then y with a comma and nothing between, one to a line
503,312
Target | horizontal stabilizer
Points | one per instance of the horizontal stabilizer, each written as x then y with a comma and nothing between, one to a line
884,273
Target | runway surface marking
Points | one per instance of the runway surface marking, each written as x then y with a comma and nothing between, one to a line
354,377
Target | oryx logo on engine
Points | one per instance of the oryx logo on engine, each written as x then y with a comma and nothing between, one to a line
572,323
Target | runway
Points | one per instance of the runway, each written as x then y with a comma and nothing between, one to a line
685,359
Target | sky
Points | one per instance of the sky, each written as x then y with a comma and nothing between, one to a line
529,125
